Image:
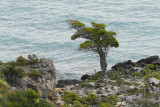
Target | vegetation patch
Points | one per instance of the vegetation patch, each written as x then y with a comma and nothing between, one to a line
34,74
11,70
87,101
85,83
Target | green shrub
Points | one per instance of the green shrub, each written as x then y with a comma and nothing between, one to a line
21,59
153,74
69,97
33,59
85,83
114,75
4,85
146,103
156,75
94,76
11,70
18,98
133,91
105,105
111,100
44,103
146,71
2,76
151,66
32,94
137,74
34,73
77,104
27,98
1,62
147,76
91,99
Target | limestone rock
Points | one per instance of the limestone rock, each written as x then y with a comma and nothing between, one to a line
154,81
44,85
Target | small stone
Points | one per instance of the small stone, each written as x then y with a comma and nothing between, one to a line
154,81
58,90
91,83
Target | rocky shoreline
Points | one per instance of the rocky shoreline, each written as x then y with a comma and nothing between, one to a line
127,84
133,83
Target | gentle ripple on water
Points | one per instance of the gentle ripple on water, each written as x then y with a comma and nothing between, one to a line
38,27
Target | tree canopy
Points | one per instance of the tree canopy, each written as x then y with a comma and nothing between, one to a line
97,38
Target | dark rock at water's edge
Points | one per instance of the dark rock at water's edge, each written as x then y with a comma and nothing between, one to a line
148,60
63,83
85,77
125,64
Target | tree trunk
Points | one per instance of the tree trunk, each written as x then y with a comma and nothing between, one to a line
103,61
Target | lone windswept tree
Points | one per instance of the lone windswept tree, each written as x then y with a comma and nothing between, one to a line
97,39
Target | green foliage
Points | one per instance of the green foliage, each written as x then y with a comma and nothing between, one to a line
98,39
95,76
13,63
133,91
75,24
2,76
33,59
32,94
27,98
147,76
109,101
85,83
77,104
146,71
151,66
146,103
153,74
11,70
86,45
1,62
91,99
156,75
19,99
4,85
44,103
34,73
69,97
137,74
21,59
114,75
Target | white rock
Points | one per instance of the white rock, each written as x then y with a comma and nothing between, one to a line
92,83
154,81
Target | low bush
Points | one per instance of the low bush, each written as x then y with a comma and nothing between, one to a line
44,103
4,85
33,59
34,74
91,99
11,70
137,74
74,100
85,83
21,59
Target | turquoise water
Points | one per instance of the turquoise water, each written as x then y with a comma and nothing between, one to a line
38,27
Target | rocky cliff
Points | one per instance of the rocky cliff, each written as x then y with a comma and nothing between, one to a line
44,84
